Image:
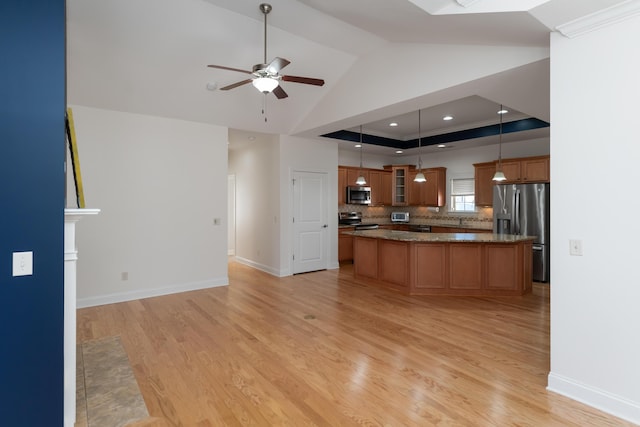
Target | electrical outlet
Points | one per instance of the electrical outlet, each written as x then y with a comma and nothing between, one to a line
22,263
575,247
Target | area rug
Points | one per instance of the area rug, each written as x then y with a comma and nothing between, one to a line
112,397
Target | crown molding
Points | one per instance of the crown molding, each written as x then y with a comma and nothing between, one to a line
600,19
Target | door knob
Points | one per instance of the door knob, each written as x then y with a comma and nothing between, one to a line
325,226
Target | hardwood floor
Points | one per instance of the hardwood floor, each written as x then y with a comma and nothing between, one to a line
322,349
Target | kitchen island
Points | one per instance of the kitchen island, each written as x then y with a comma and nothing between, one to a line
444,263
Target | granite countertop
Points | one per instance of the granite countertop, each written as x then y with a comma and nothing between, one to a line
468,227
409,236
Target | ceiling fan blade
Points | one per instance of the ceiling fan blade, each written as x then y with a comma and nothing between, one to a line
279,92
229,68
243,82
305,80
278,64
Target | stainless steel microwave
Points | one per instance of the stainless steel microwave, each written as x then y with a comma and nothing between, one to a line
359,195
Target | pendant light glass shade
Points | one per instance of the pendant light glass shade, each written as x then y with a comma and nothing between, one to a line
419,176
265,84
499,175
360,180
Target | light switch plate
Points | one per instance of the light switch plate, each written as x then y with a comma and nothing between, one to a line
23,263
575,247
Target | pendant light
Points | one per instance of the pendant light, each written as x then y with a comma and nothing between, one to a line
361,180
499,175
419,176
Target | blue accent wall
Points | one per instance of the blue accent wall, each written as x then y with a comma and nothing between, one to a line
32,155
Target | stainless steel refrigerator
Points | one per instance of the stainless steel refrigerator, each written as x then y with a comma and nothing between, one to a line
524,209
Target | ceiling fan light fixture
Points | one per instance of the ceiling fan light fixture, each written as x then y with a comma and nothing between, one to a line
265,84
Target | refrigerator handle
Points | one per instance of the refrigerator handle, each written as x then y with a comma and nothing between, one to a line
516,213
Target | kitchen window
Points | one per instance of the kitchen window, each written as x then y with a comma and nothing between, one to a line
462,195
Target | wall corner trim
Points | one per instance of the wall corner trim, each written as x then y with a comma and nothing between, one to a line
595,397
599,19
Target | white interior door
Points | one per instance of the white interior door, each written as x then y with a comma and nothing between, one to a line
310,227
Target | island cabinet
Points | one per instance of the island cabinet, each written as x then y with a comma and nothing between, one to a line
380,183
429,193
345,244
454,264
483,182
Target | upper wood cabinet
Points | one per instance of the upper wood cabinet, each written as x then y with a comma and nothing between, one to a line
429,193
527,169
342,186
523,170
399,185
535,169
484,183
380,183
352,175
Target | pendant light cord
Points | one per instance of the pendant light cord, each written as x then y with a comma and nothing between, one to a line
419,143
500,141
360,149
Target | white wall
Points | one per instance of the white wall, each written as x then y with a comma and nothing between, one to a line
159,183
595,319
304,154
256,166
447,67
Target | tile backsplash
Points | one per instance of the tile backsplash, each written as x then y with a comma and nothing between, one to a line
483,218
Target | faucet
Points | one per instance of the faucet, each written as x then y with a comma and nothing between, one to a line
460,221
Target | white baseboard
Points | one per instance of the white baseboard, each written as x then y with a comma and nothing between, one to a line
148,293
595,397
262,267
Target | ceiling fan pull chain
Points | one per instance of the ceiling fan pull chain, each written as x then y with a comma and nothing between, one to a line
264,107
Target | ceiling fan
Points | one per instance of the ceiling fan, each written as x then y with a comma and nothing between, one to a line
266,77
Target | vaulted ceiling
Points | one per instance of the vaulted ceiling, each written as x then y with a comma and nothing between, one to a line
379,58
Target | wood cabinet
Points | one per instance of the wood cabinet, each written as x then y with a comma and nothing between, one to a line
379,180
353,173
528,169
522,170
399,185
429,193
483,181
342,186
535,169
448,266
380,183
345,245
